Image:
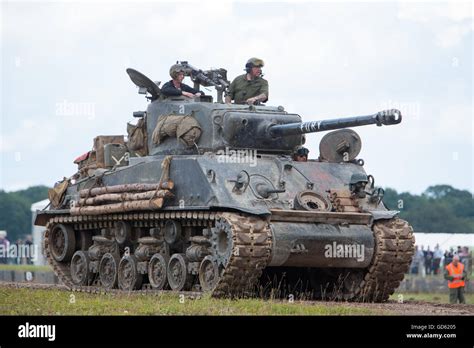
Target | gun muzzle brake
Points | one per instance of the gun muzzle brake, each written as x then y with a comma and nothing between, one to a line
389,117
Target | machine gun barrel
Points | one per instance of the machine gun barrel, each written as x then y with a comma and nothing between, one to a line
198,75
387,117
214,77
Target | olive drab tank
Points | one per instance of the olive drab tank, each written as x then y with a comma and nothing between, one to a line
205,196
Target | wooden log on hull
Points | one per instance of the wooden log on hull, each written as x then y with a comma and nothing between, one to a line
126,196
168,185
151,204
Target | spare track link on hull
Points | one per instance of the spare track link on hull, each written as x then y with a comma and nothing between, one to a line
251,239
394,249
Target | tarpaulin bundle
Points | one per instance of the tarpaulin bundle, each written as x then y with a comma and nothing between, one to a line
184,128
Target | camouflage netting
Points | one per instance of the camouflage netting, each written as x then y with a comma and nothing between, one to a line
185,128
137,140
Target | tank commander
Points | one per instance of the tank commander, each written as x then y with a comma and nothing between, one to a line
249,88
301,154
176,87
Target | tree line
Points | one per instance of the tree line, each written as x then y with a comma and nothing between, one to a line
15,210
440,208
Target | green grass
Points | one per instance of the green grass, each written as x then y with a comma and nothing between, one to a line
56,302
430,297
30,268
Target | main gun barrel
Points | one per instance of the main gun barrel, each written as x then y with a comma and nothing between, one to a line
387,117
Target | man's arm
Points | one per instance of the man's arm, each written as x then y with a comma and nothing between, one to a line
265,91
170,91
189,89
259,98
447,276
262,97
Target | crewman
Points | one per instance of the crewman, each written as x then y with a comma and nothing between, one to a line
456,276
249,88
301,154
176,87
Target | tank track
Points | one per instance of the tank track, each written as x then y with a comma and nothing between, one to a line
251,236
394,249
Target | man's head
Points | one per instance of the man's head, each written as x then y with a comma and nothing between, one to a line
301,154
455,260
177,72
254,66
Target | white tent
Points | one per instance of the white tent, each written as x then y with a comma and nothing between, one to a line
37,232
445,240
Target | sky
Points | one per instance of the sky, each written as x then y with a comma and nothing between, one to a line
63,78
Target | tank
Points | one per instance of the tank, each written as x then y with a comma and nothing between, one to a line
206,196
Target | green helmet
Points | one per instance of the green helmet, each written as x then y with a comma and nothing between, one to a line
301,151
358,177
175,70
254,62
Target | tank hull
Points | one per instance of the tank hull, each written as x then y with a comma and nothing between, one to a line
222,207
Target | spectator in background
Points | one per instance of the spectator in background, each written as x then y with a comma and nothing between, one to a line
437,256
420,257
464,252
414,262
29,244
18,257
4,246
448,257
428,260
464,257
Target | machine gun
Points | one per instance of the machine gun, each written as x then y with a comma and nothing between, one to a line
213,77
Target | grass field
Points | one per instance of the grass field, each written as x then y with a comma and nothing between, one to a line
56,302
22,301
28,268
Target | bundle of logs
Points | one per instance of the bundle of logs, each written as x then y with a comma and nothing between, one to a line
343,201
124,198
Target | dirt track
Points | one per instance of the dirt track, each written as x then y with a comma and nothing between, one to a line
412,308
391,307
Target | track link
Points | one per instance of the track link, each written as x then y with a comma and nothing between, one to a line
394,249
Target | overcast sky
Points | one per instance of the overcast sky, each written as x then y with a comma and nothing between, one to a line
323,60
